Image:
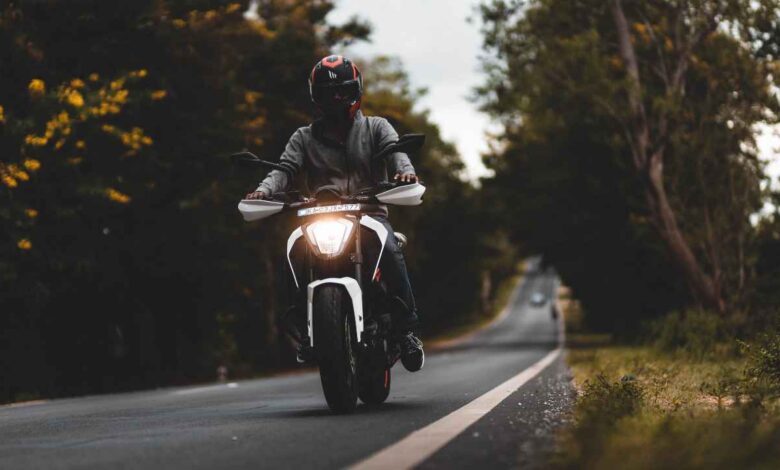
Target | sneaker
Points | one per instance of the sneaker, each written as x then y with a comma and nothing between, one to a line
412,354
304,354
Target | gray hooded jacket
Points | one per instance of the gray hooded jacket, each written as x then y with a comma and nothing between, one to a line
347,167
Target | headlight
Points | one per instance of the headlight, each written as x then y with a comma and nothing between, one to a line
330,235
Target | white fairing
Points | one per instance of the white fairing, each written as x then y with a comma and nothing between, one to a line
297,233
407,195
381,232
353,289
256,209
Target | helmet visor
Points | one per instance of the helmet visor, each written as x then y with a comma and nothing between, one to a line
336,95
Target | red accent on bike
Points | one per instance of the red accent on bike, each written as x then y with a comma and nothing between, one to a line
387,377
354,72
377,275
333,61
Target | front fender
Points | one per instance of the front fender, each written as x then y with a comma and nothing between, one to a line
355,293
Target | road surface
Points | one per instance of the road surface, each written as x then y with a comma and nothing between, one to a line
283,422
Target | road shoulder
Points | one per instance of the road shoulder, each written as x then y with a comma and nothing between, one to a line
520,431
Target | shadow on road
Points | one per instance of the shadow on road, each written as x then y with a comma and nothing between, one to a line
487,345
388,407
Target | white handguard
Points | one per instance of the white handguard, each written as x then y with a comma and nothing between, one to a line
256,209
406,195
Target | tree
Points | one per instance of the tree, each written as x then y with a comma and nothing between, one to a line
690,24
639,137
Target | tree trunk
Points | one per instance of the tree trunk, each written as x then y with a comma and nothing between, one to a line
705,290
648,161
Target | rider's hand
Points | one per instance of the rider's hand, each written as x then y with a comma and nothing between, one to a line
406,178
256,195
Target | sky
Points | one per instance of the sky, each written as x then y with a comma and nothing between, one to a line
439,49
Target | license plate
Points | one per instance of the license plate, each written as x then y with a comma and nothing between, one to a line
328,209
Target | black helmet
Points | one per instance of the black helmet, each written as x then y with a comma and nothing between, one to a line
335,85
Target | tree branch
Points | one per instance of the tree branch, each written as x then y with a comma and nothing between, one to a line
641,131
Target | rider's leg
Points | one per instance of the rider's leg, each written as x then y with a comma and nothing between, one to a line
393,270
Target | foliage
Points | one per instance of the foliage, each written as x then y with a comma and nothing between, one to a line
693,413
565,182
696,333
604,402
763,367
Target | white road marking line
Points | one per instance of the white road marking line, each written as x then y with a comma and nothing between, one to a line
205,389
423,443
24,403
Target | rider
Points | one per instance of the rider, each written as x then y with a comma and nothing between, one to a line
335,150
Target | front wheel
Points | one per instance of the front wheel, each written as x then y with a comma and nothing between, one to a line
334,347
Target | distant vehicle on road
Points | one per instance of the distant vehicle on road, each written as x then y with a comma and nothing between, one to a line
538,299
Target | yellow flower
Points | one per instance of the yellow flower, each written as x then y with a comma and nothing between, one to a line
16,173
142,73
77,83
81,144
116,196
9,181
21,175
93,77
179,23
2,115
75,99
24,244
32,164
233,7
31,213
59,144
146,140
35,141
117,84
108,128
159,94
120,96
36,87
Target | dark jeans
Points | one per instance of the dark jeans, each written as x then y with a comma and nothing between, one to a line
392,269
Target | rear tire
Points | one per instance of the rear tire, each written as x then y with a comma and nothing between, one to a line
335,348
374,385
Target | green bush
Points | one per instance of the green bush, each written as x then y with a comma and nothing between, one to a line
697,333
604,402
762,374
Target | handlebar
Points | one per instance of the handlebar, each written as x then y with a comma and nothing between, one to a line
365,196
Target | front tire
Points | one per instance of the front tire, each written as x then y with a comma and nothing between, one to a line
335,348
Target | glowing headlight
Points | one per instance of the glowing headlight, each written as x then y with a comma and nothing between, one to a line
329,235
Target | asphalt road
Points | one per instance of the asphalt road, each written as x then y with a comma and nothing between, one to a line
283,422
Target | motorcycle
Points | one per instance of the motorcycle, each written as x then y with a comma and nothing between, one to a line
349,313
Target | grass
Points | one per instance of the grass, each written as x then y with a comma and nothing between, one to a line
673,405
